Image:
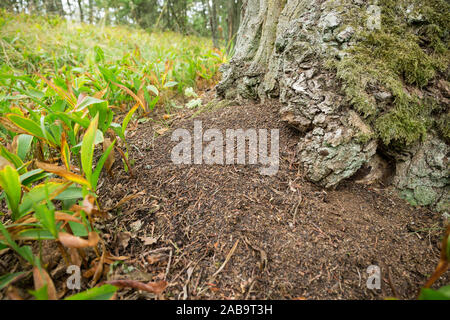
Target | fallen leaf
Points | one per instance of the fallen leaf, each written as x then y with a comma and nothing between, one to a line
88,204
213,287
124,239
126,199
91,271
162,131
75,257
152,259
109,258
72,241
13,293
99,270
148,240
41,278
262,255
2,252
159,276
110,160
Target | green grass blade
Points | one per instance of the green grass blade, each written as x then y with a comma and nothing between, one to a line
46,216
100,164
24,145
8,278
27,125
87,148
10,182
104,292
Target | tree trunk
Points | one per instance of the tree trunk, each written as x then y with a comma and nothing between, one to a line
80,8
50,7
180,22
60,8
91,11
281,51
233,20
213,22
205,15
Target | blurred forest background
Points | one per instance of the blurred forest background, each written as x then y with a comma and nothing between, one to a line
218,19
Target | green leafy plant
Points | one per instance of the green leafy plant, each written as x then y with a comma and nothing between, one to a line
442,293
61,97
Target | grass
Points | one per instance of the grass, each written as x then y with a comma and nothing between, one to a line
92,55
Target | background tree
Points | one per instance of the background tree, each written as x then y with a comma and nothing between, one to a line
218,19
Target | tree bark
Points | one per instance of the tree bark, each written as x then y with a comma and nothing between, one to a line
180,22
91,11
50,6
281,50
205,14
233,20
213,22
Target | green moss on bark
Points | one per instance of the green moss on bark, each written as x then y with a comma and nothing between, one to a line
404,56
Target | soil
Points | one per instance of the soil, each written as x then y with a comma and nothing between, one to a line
228,232
294,240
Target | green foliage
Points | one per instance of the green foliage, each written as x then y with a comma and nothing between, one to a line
40,294
104,292
10,182
25,251
64,89
442,293
91,58
87,148
8,278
